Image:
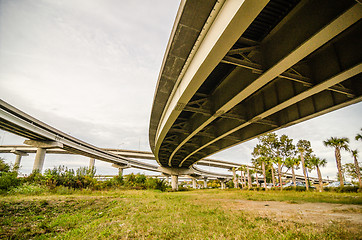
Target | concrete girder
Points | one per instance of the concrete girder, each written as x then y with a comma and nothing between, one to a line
316,40
243,50
232,127
44,144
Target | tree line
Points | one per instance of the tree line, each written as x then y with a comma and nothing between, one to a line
272,154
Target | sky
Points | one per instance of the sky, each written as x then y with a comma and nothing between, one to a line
90,68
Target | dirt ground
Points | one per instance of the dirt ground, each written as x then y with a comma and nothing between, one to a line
314,213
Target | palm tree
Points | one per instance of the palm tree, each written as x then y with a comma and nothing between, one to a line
256,163
249,177
304,149
338,144
355,157
264,161
242,176
359,136
279,162
290,162
235,179
272,172
316,162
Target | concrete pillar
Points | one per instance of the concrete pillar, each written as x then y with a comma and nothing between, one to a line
17,161
18,154
194,183
174,182
223,185
167,180
120,172
205,183
39,159
249,178
91,162
235,180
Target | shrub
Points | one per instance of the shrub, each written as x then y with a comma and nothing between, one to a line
8,178
155,183
35,177
182,189
28,189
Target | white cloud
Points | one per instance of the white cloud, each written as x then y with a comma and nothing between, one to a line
89,68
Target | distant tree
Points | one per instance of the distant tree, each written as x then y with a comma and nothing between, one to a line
357,168
286,150
242,170
359,136
305,151
262,159
8,177
270,144
316,163
249,172
338,144
292,162
4,167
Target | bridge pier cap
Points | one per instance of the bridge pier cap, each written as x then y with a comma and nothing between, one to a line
176,171
18,154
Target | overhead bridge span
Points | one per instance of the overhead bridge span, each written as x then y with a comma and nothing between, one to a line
234,70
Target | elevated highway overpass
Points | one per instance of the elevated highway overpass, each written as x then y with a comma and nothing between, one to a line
43,139
122,152
20,150
234,70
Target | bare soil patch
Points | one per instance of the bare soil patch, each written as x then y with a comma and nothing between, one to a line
319,213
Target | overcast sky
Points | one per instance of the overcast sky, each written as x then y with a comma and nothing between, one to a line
89,68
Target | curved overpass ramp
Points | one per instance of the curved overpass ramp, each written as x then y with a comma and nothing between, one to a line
236,69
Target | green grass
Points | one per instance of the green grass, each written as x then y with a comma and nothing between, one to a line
293,196
132,214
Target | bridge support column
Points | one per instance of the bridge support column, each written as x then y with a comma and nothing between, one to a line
174,182
223,185
39,159
91,162
167,180
18,154
120,172
40,152
205,183
235,179
194,183
120,168
17,161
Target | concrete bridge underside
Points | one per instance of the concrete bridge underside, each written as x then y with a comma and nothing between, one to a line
234,70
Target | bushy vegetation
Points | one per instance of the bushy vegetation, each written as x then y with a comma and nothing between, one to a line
63,181
345,189
8,177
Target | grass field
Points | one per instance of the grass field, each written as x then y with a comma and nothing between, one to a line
143,214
